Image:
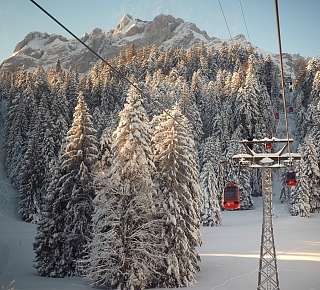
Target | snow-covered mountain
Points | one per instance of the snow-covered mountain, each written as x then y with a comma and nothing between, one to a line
165,31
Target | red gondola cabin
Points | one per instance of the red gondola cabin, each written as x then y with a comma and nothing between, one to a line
268,146
231,197
291,179
290,110
276,115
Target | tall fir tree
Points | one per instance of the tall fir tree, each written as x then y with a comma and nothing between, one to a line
66,224
211,183
32,179
254,105
306,197
124,251
300,196
179,195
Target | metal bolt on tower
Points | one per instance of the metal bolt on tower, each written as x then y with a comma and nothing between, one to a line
268,271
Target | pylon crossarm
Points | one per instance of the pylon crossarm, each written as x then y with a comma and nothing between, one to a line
266,140
278,159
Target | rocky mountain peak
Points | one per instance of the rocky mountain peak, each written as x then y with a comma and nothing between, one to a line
128,26
123,24
239,37
164,31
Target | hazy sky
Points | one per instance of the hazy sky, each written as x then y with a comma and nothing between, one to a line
299,18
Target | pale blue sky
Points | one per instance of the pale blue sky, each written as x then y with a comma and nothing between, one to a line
299,18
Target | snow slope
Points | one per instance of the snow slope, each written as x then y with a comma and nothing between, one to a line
229,253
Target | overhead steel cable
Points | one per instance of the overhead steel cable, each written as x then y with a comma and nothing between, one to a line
225,19
282,72
119,74
244,20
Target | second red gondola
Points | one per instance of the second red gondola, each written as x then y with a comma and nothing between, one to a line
231,197
291,179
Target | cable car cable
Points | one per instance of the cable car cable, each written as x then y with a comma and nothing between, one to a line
119,74
282,72
225,19
244,20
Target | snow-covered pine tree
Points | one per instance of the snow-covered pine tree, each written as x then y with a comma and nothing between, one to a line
29,183
70,91
311,118
313,66
310,157
104,158
179,192
211,110
18,123
308,190
300,196
189,109
211,183
305,198
34,166
124,250
59,110
197,83
253,104
78,163
66,225
48,244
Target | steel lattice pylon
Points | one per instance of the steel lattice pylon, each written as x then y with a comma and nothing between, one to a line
267,161
268,271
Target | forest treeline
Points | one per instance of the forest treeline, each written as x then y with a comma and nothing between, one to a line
115,179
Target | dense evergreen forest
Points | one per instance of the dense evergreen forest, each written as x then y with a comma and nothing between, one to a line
115,179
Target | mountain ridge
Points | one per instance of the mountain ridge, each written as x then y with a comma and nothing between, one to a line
165,31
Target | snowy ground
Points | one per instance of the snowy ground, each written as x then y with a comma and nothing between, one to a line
229,253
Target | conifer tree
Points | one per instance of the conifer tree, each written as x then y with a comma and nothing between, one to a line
254,105
187,104
29,202
313,66
311,118
70,92
48,245
124,251
18,123
179,191
307,195
66,224
211,184
300,197
31,180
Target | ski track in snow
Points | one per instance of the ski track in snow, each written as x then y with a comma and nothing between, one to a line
229,253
